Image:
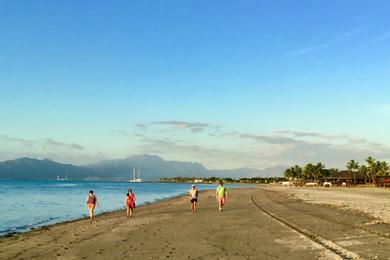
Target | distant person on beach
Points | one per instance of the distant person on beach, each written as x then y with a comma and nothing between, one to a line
91,204
130,203
221,195
193,194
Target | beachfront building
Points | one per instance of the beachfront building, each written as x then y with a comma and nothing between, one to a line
382,181
347,177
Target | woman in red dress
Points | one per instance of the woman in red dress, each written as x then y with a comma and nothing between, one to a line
130,203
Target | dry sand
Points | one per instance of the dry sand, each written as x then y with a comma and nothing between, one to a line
373,201
168,230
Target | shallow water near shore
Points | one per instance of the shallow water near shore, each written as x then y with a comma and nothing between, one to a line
30,204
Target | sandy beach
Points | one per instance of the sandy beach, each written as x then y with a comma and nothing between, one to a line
259,223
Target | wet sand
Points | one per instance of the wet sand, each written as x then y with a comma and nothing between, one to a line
168,230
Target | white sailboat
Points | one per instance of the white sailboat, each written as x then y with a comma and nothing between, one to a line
134,177
64,179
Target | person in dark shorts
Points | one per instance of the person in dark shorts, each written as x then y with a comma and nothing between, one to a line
193,195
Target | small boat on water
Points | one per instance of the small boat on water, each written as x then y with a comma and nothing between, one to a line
62,179
134,176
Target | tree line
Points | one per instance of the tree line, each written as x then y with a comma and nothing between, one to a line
370,170
263,180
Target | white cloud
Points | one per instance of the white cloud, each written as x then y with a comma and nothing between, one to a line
229,149
384,36
194,127
63,157
284,147
324,44
45,142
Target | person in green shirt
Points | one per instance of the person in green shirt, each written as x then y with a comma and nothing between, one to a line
221,195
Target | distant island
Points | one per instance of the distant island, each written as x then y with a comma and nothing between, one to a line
153,169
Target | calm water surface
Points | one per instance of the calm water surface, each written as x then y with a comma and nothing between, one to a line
30,204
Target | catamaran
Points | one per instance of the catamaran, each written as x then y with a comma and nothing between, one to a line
134,176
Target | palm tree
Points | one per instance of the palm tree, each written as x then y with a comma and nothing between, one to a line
352,165
297,171
319,170
365,172
288,173
371,168
309,171
384,168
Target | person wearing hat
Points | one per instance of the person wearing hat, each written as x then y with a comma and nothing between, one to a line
193,194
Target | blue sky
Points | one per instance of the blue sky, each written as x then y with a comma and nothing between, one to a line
225,83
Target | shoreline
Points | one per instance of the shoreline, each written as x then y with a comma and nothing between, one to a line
168,229
165,229
182,195
51,211
43,227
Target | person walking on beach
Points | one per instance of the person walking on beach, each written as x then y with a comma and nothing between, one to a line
130,203
193,194
91,203
221,195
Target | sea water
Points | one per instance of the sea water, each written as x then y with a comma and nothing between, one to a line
30,204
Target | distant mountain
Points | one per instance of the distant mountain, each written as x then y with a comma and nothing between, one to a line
151,167
27,168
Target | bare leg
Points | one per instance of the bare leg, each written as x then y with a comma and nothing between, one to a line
194,207
127,212
131,212
91,214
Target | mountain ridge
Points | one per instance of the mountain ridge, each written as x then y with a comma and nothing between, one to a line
152,168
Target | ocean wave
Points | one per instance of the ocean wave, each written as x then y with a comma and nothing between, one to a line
65,185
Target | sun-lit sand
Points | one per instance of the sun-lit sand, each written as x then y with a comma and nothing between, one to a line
168,229
373,201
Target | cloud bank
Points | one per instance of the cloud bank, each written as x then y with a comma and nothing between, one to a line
233,149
